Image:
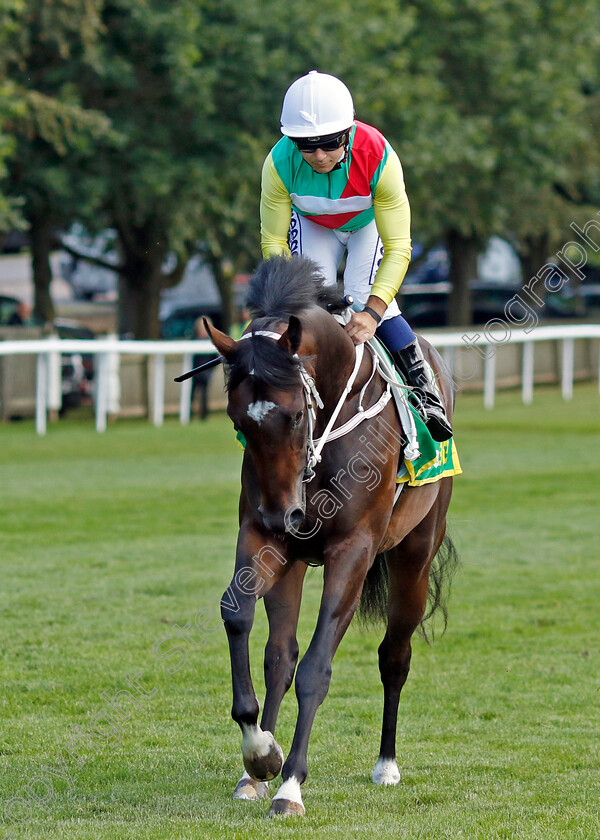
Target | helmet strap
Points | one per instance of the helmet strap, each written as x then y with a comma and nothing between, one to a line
344,157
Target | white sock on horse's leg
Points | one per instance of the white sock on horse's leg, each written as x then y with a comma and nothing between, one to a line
386,772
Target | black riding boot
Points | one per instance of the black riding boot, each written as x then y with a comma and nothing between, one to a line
412,365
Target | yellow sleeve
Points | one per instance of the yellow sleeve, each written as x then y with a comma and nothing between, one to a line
392,217
275,212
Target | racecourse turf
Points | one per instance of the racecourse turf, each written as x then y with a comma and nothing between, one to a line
109,540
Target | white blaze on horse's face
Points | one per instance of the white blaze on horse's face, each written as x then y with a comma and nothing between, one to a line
257,411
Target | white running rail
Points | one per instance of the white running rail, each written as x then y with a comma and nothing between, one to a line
108,350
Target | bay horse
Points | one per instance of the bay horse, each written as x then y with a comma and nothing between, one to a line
309,496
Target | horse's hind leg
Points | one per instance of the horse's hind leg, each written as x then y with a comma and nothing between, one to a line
282,604
408,575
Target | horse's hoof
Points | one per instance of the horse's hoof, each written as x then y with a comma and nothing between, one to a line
286,808
386,772
263,757
265,767
250,789
288,800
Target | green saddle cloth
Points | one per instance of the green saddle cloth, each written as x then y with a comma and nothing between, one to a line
437,459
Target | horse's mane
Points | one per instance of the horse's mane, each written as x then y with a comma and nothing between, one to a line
280,287
284,286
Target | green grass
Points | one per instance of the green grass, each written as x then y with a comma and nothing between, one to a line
108,540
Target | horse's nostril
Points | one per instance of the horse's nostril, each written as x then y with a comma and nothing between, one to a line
294,519
280,522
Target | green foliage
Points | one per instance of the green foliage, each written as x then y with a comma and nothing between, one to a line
159,115
65,127
508,123
9,103
51,133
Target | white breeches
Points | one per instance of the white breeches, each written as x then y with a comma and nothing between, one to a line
364,252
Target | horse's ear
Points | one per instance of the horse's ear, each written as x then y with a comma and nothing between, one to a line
223,342
292,337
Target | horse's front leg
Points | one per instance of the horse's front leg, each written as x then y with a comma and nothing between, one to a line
282,604
346,565
260,562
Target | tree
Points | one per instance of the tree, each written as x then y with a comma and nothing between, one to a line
49,125
151,85
154,118
80,67
195,89
503,124
9,105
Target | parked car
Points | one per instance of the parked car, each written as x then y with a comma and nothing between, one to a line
426,289
180,322
196,289
11,312
427,305
13,241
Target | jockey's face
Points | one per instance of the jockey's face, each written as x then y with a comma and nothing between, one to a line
321,161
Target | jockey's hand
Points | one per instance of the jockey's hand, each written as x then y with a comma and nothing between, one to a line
361,327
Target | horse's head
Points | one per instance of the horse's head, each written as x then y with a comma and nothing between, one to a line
267,403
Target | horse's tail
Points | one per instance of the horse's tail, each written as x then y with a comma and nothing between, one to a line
441,573
373,606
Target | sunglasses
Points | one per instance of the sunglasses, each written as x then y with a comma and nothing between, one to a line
326,144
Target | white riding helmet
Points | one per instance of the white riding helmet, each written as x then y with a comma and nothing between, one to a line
316,105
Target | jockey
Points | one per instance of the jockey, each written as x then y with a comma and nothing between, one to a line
332,185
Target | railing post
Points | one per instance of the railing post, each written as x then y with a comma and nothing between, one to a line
41,393
489,383
568,359
185,395
158,410
101,391
528,368
54,384
113,375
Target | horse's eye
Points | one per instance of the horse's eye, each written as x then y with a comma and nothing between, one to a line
297,419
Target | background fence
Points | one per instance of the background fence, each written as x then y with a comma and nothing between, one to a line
545,354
